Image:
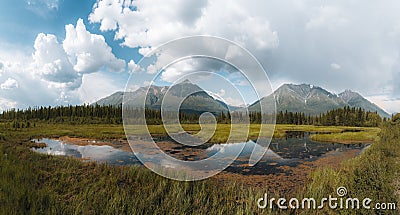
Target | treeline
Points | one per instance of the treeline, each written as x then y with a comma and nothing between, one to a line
347,116
96,114
78,114
86,114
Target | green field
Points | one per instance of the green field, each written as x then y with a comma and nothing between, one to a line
364,135
374,174
32,183
105,131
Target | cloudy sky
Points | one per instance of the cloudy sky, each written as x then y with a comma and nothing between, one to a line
57,52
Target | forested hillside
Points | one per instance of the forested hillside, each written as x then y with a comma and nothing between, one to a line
96,114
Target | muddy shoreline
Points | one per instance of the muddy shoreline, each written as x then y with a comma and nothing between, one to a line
287,178
291,179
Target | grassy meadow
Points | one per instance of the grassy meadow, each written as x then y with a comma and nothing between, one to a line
341,134
374,174
32,183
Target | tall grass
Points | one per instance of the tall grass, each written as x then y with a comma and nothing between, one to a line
374,174
32,183
364,135
223,131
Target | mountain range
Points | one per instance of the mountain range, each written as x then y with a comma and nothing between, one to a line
196,101
314,100
306,98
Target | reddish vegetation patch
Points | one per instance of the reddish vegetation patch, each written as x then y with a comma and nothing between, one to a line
290,180
36,145
293,178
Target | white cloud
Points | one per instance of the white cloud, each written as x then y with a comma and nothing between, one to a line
151,69
156,22
179,69
106,9
222,96
89,52
53,74
196,68
242,83
214,95
96,86
327,16
30,88
145,50
133,88
335,66
9,84
294,40
147,83
234,102
44,8
171,75
46,4
1,68
133,67
65,85
6,104
51,62
221,93
80,53
386,102
148,24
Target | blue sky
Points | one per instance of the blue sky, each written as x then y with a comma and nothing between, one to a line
57,52
23,20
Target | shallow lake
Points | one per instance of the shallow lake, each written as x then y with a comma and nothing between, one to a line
97,153
295,149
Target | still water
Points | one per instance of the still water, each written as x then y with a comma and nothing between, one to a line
295,149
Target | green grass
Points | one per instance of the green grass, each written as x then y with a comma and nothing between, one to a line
365,135
238,132
95,131
32,183
374,174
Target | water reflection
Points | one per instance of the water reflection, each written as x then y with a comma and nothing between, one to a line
295,149
97,153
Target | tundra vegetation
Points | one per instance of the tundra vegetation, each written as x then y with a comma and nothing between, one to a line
32,183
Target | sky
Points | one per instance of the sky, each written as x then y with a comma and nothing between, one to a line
59,52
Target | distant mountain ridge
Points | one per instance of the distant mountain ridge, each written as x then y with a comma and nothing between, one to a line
314,100
306,98
198,100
